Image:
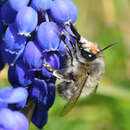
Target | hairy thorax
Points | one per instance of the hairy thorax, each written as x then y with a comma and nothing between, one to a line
77,72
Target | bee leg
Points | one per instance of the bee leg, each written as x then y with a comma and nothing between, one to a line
55,72
67,48
74,30
73,46
94,92
69,37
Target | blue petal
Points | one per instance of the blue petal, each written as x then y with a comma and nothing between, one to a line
32,55
8,56
60,11
12,120
40,116
38,90
48,36
41,5
45,73
2,64
20,75
23,74
14,96
49,100
18,4
53,59
8,14
12,77
64,10
24,20
1,28
13,40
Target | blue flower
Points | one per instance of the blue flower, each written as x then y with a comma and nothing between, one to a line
32,55
1,60
14,98
12,120
14,41
64,10
28,36
7,57
48,30
19,75
1,28
40,116
8,14
38,90
0,2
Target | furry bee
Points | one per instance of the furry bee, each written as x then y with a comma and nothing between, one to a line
82,72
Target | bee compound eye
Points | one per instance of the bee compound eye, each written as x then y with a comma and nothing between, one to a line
87,55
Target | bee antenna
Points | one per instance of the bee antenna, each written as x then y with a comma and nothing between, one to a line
108,46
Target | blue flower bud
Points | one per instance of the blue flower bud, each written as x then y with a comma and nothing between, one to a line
48,36
64,10
26,20
18,4
41,5
2,63
14,41
8,56
32,55
11,96
51,94
12,77
1,28
38,90
52,58
8,14
73,10
46,73
33,33
60,11
12,120
40,116
0,2
20,74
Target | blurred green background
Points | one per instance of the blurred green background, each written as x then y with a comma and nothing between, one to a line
101,21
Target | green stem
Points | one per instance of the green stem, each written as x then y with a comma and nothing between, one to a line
29,109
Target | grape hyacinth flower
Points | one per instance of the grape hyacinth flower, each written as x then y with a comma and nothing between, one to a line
16,99
7,13
2,63
32,31
15,119
24,20
41,5
18,4
13,41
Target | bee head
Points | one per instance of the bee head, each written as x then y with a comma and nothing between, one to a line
89,51
88,55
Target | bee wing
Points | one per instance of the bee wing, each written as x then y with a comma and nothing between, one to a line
73,100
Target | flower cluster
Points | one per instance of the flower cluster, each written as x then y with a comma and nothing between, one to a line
30,31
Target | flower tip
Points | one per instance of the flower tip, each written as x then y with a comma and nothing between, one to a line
27,34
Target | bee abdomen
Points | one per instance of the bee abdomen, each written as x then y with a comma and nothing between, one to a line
66,90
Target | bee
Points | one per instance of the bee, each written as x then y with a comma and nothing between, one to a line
82,72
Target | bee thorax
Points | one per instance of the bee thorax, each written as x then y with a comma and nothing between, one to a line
97,68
